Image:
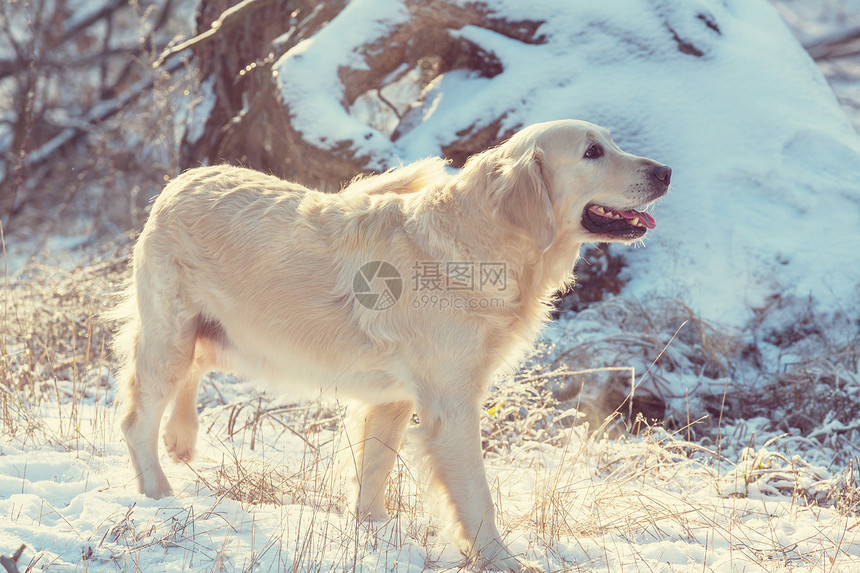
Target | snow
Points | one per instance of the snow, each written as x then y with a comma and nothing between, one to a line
323,119
766,188
577,500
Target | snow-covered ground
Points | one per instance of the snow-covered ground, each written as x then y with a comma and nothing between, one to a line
765,202
260,498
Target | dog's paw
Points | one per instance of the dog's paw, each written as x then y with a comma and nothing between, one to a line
528,566
516,565
153,484
509,563
180,448
375,514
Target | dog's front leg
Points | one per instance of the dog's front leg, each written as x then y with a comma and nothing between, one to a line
452,442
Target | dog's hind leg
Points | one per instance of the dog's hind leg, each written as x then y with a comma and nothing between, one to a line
162,360
140,426
180,431
379,430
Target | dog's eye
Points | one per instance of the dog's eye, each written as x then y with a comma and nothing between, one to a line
594,151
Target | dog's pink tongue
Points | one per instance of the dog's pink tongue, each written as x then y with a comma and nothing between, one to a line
645,218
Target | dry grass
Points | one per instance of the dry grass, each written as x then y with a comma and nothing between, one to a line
54,350
795,364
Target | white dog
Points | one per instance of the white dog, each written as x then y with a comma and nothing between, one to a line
236,270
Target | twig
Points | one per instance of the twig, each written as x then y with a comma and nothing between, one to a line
8,67
225,21
387,102
11,564
104,111
836,45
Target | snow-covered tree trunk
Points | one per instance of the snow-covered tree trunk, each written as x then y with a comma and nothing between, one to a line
380,74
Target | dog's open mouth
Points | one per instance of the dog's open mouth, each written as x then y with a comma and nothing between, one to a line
621,223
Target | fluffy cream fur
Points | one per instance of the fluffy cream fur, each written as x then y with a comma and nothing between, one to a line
240,271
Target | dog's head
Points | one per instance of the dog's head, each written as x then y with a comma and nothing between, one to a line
568,177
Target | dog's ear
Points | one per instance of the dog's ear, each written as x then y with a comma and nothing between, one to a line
525,201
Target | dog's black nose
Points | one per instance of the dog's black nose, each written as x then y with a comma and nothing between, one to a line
662,173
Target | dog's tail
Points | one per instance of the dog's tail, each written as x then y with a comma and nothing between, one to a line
124,344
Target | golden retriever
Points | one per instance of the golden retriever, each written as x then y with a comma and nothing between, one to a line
237,270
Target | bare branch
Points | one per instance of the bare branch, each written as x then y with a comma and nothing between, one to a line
841,44
8,67
387,102
107,10
105,110
225,21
